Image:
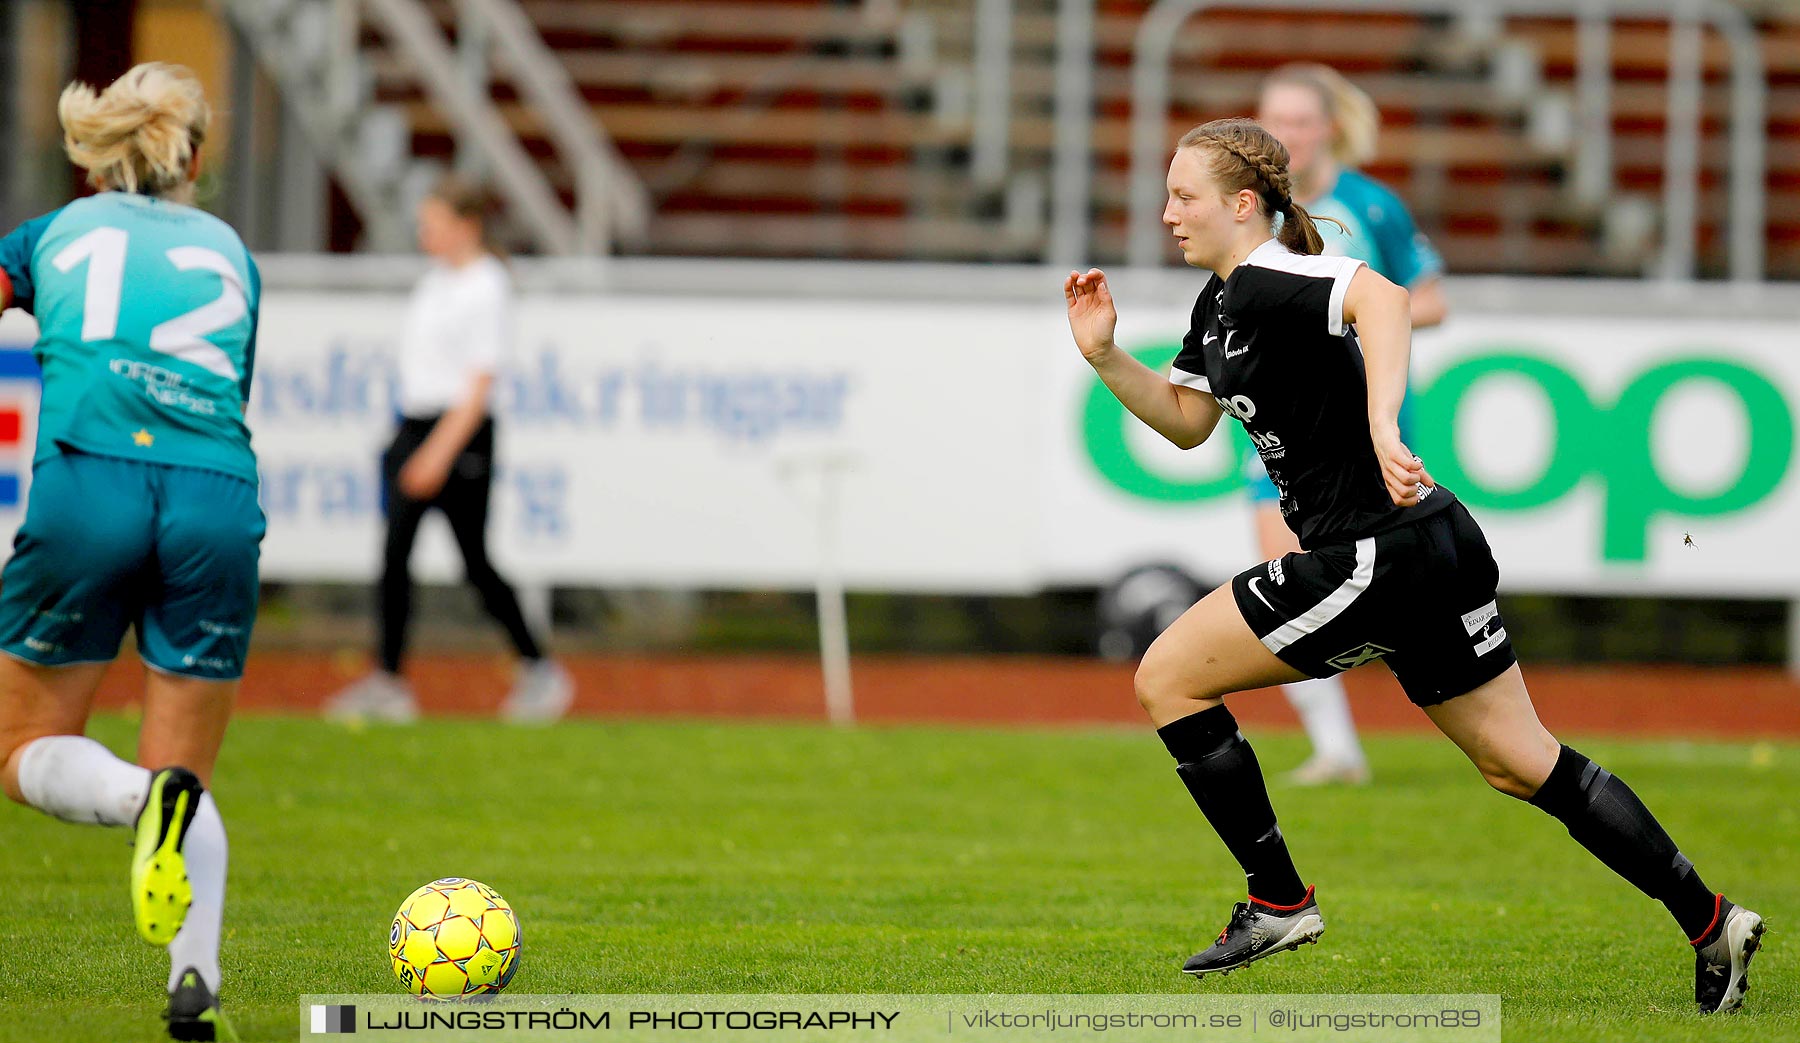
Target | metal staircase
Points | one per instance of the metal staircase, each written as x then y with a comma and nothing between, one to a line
312,49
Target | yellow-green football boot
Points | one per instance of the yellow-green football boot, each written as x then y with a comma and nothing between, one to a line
160,894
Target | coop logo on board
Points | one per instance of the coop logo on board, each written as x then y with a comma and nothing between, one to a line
1607,441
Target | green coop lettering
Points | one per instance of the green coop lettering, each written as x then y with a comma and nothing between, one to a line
1606,442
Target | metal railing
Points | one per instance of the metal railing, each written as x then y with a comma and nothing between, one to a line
291,42
1072,181
1157,35
311,49
611,203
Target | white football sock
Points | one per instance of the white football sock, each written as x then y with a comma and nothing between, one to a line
197,944
78,780
1324,712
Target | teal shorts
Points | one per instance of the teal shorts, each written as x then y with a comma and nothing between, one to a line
108,543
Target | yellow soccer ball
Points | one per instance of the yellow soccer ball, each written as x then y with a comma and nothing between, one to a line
453,938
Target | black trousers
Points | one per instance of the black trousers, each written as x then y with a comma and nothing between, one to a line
464,501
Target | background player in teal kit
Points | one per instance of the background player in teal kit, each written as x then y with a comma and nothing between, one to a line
1328,126
143,508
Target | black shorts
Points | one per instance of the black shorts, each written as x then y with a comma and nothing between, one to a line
1420,598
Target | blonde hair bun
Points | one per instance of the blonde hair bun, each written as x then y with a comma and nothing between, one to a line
141,133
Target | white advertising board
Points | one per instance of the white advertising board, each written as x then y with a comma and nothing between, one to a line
662,440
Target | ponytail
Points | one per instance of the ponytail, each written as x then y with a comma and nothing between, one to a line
1298,232
141,133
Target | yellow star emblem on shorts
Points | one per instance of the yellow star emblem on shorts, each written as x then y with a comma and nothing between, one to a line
144,438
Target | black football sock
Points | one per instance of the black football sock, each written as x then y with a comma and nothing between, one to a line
1607,818
1220,770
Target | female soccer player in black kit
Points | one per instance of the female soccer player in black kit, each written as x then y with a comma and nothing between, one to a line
1309,353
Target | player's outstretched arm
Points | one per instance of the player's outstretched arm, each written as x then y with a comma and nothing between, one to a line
1181,414
1381,313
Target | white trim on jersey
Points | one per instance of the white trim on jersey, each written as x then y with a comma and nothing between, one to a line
1334,604
1340,270
1197,381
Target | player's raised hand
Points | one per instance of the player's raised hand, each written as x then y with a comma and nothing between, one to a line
1403,473
1091,312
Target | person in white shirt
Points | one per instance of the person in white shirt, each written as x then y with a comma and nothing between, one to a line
442,457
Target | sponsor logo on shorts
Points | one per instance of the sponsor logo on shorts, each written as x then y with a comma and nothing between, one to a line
38,644
209,662
1277,572
223,629
1364,653
1254,580
52,616
1485,627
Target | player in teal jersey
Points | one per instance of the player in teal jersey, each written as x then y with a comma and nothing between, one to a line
1328,126
143,508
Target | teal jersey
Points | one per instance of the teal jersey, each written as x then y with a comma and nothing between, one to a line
1381,233
146,316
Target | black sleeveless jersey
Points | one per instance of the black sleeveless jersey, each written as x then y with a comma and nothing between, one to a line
1271,346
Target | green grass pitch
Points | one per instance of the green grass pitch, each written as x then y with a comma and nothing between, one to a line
723,857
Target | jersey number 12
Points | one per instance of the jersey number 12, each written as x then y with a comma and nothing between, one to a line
184,336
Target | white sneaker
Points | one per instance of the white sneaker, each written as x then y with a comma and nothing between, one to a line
1323,771
542,693
380,696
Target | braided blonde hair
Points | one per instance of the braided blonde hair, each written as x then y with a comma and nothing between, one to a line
141,133
1245,156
